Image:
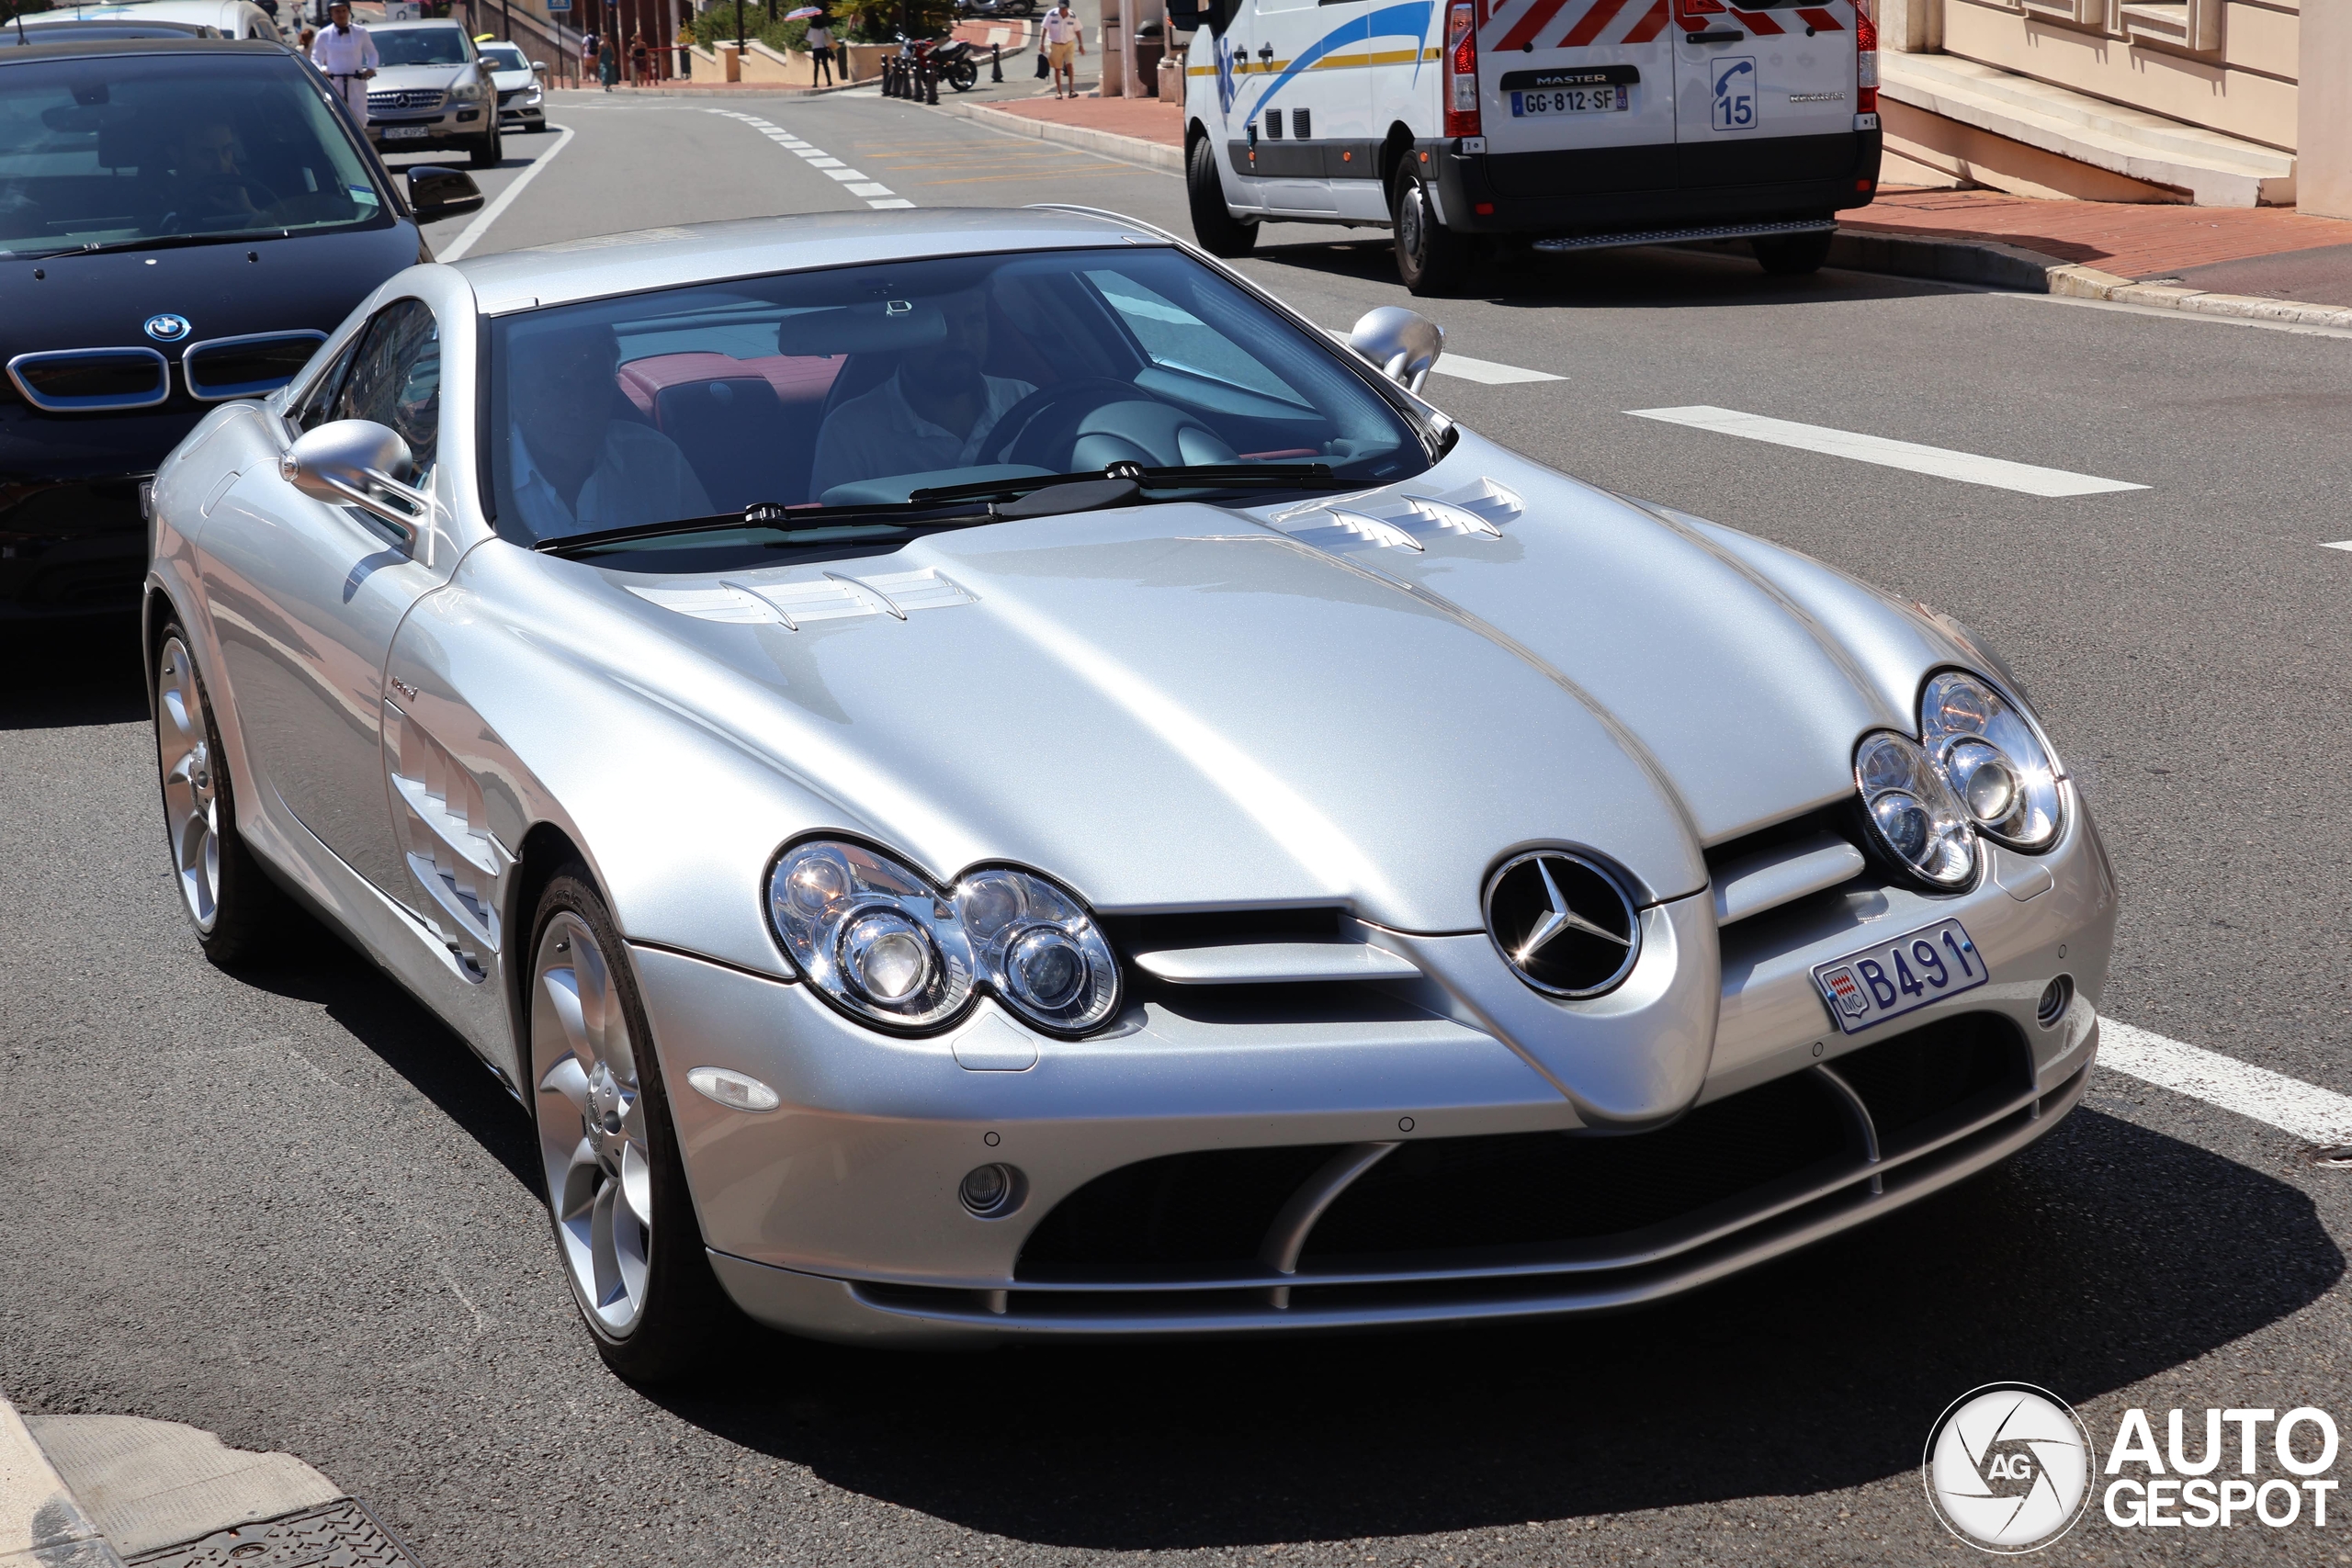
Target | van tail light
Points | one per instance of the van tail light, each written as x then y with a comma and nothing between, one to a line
1462,71
1865,59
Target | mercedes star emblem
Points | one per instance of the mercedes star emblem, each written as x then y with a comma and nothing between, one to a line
1563,924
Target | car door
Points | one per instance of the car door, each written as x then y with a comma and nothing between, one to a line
1279,96
1579,96
1764,95
305,598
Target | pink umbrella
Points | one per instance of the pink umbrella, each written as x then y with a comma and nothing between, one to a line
803,14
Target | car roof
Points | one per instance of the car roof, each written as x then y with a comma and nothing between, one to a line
421,24
611,264
107,27
211,47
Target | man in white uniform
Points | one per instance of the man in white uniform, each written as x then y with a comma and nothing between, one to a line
935,412
348,55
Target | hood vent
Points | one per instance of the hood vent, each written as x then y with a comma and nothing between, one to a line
1400,521
835,597
1781,864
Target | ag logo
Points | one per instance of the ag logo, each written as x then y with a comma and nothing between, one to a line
2007,1468
167,328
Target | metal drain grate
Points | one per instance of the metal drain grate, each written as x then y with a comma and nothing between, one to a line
336,1535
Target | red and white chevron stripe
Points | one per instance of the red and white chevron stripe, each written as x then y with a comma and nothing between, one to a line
1577,24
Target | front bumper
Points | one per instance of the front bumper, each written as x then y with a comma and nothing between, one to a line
1586,193
460,125
71,547
837,1216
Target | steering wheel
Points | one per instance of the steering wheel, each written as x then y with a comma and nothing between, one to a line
1033,436
266,200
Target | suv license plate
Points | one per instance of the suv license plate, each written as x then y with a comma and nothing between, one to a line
1571,100
402,132
1891,980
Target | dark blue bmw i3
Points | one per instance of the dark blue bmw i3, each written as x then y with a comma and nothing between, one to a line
181,221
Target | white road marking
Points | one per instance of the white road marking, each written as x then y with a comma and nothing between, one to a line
852,181
2338,545
1487,371
489,215
1941,461
2314,1115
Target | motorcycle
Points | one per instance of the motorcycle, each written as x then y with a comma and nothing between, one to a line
952,62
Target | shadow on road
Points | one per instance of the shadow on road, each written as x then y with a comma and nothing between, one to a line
1821,1371
65,673
1648,277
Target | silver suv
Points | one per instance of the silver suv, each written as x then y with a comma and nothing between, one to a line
432,90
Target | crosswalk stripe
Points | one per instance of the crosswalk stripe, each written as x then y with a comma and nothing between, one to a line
2314,1115
1941,461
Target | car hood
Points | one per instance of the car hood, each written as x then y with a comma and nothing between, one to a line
1186,707
391,77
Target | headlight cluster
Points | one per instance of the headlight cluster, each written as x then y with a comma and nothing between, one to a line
880,942
1980,767
467,92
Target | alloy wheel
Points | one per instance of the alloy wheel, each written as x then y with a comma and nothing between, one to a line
191,788
592,1118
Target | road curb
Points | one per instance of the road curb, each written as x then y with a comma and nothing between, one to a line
41,1525
714,90
1954,260
1110,143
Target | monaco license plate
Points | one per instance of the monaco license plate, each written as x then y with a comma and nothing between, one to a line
1891,980
1602,99
404,132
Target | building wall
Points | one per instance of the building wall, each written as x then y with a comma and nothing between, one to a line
2242,84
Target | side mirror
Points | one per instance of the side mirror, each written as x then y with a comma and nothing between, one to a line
435,194
1404,344
539,67
356,462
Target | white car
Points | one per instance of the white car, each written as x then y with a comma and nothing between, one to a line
230,18
521,101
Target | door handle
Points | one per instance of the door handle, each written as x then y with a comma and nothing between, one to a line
1265,52
1718,35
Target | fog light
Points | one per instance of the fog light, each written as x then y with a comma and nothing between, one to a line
991,1189
2055,999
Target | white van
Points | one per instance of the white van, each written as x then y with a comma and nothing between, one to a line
230,18
1577,124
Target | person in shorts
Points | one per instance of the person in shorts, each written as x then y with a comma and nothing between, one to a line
1065,41
820,51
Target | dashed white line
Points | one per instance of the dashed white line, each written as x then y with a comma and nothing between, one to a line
1941,461
2338,545
1487,371
858,184
2314,1115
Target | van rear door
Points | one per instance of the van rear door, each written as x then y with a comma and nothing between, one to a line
1765,95
1578,95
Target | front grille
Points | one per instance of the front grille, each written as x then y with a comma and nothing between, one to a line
406,98
512,95
246,367
82,380
1518,1200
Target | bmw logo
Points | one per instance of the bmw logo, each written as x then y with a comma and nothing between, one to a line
167,328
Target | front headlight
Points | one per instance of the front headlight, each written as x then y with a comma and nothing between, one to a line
1913,811
1997,761
534,96
880,942
467,92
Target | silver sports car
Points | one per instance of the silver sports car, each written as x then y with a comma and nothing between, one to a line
979,776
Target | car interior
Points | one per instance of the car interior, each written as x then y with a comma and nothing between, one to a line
1139,356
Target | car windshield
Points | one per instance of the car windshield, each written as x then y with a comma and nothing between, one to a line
117,150
504,57
859,386
419,46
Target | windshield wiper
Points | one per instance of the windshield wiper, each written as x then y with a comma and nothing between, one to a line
1197,476
152,242
763,514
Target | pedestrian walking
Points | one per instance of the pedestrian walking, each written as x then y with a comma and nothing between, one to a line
820,51
686,50
587,57
345,55
641,60
608,64
1065,41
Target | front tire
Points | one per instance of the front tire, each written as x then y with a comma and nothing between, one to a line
1431,258
1792,256
963,75
1213,225
624,1225
491,152
238,911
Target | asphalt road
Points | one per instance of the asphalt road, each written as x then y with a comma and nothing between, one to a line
286,1206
